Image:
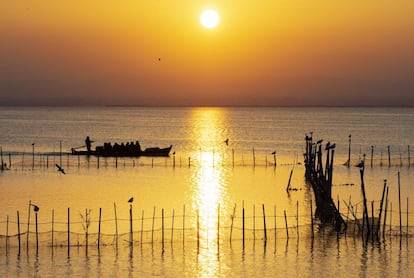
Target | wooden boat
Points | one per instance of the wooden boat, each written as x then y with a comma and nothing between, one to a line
123,151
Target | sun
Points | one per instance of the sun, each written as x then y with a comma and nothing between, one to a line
209,19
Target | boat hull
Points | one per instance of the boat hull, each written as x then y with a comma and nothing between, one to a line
162,152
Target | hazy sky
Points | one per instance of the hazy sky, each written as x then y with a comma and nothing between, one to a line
277,52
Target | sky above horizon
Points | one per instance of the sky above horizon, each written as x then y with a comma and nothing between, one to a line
267,52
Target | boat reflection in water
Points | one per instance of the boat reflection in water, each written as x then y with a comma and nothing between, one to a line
210,186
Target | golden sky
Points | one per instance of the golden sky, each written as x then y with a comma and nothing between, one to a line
156,52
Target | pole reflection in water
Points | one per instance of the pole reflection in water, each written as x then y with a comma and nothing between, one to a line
210,182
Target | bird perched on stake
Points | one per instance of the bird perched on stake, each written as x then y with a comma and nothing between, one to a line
35,208
274,152
131,200
60,169
360,164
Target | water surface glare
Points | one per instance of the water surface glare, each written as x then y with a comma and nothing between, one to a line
190,208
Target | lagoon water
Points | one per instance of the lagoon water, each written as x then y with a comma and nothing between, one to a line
187,209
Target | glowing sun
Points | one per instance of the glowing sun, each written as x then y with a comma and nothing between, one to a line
209,19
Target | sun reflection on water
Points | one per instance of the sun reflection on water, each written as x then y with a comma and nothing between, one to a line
210,185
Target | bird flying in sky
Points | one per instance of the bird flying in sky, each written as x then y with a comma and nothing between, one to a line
60,169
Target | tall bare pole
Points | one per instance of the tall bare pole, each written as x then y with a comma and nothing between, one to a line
349,150
399,202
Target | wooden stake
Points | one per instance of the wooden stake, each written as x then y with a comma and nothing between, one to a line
7,234
33,156
116,226
264,224
99,229
407,219
254,222
372,155
28,225
380,212
172,227
37,235
131,234
18,229
183,225
68,232
365,211
162,229
399,202
198,231
86,230
53,224
232,221
385,215
389,156
274,209
297,218
243,226
142,225
349,150
152,229
290,177
286,224
254,159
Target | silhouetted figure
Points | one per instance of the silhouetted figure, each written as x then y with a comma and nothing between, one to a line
35,208
274,152
138,146
131,200
60,169
88,143
226,141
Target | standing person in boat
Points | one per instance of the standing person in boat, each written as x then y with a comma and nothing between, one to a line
88,144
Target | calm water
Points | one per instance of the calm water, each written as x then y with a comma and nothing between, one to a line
204,182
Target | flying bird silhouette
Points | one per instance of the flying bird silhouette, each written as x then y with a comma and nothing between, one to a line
60,169
226,141
131,200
